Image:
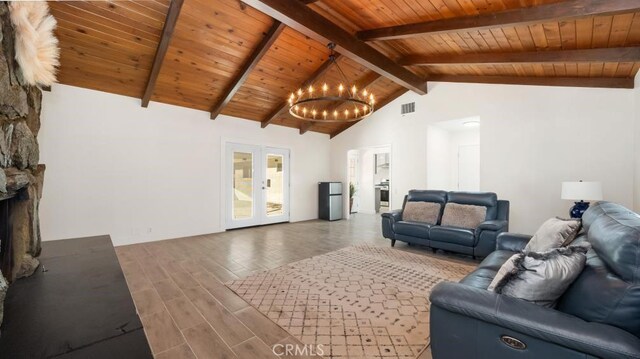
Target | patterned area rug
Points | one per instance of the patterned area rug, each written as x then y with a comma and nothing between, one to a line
361,301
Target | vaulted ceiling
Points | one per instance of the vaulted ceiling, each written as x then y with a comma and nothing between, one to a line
242,58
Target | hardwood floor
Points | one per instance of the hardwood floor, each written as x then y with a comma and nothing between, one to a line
187,312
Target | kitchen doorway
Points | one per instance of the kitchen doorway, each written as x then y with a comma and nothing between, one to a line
369,171
257,185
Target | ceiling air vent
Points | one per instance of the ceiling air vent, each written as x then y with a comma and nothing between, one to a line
406,108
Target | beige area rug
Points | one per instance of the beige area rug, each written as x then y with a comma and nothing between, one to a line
361,301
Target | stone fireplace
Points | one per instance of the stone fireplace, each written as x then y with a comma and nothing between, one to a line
21,176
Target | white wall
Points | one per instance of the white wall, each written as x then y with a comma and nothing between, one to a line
533,138
140,174
438,158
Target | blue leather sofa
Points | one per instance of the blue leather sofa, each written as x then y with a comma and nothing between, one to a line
597,317
475,242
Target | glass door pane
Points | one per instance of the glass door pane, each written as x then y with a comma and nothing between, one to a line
242,185
275,206
275,185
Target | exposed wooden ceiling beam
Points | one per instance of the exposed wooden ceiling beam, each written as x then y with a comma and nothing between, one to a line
605,82
270,37
563,10
367,80
161,51
303,19
307,2
315,76
382,104
619,54
305,126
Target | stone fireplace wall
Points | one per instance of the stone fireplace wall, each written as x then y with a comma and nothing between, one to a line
21,176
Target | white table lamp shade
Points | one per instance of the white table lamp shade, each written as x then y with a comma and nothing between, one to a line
578,191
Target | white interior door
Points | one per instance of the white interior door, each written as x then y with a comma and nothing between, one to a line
469,168
257,185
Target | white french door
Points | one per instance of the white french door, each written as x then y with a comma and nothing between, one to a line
257,185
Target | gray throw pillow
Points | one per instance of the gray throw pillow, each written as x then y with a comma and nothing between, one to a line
427,212
554,233
540,278
463,215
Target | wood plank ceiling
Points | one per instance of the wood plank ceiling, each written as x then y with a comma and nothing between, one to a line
111,46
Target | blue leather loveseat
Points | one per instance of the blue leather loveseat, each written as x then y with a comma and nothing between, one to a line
597,317
478,241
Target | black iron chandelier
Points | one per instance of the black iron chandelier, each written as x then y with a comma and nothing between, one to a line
341,102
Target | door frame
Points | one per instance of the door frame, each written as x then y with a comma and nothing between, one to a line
356,198
224,195
392,187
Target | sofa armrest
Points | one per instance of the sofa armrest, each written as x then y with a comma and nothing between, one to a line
388,221
513,242
394,216
495,225
545,324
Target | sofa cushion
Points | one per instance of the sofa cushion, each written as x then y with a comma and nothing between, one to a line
425,212
485,199
553,233
413,229
614,233
416,195
495,260
463,215
460,236
608,290
487,270
479,278
540,277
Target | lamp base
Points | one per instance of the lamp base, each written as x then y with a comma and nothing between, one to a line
578,209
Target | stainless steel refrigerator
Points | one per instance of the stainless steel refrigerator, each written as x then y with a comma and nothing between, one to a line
330,201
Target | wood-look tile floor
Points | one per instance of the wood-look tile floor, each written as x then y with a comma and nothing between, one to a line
187,312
